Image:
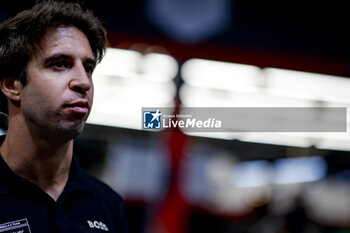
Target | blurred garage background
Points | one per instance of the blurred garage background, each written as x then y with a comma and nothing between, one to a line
220,53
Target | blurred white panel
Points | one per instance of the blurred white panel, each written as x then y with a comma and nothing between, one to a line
335,141
158,67
329,141
251,174
299,170
206,97
131,64
288,139
221,75
263,99
307,85
141,92
118,62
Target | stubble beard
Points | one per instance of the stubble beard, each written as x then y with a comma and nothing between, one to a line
57,130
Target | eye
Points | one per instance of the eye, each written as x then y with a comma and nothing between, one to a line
89,69
60,65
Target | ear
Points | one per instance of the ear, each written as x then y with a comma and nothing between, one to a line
11,88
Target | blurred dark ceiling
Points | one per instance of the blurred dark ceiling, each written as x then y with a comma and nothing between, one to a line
306,35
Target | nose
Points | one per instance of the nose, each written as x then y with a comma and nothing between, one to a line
80,82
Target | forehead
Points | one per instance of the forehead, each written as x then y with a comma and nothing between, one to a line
67,40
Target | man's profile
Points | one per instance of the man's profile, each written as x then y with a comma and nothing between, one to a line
47,57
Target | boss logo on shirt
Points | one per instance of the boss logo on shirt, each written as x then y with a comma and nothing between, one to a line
97,225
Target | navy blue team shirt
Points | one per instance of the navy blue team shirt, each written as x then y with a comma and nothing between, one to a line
85,205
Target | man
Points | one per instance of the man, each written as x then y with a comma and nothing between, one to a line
47,56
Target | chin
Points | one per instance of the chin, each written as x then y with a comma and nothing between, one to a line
68,132
76,131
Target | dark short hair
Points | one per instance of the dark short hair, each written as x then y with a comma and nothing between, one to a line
21,36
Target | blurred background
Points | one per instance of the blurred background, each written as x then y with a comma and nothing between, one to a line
220,53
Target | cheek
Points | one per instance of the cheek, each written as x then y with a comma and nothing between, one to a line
39,97
34,100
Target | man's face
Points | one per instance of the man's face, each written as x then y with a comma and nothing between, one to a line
57,98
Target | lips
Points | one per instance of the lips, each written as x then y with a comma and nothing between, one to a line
78,107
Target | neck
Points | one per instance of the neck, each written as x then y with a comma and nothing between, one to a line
38,160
